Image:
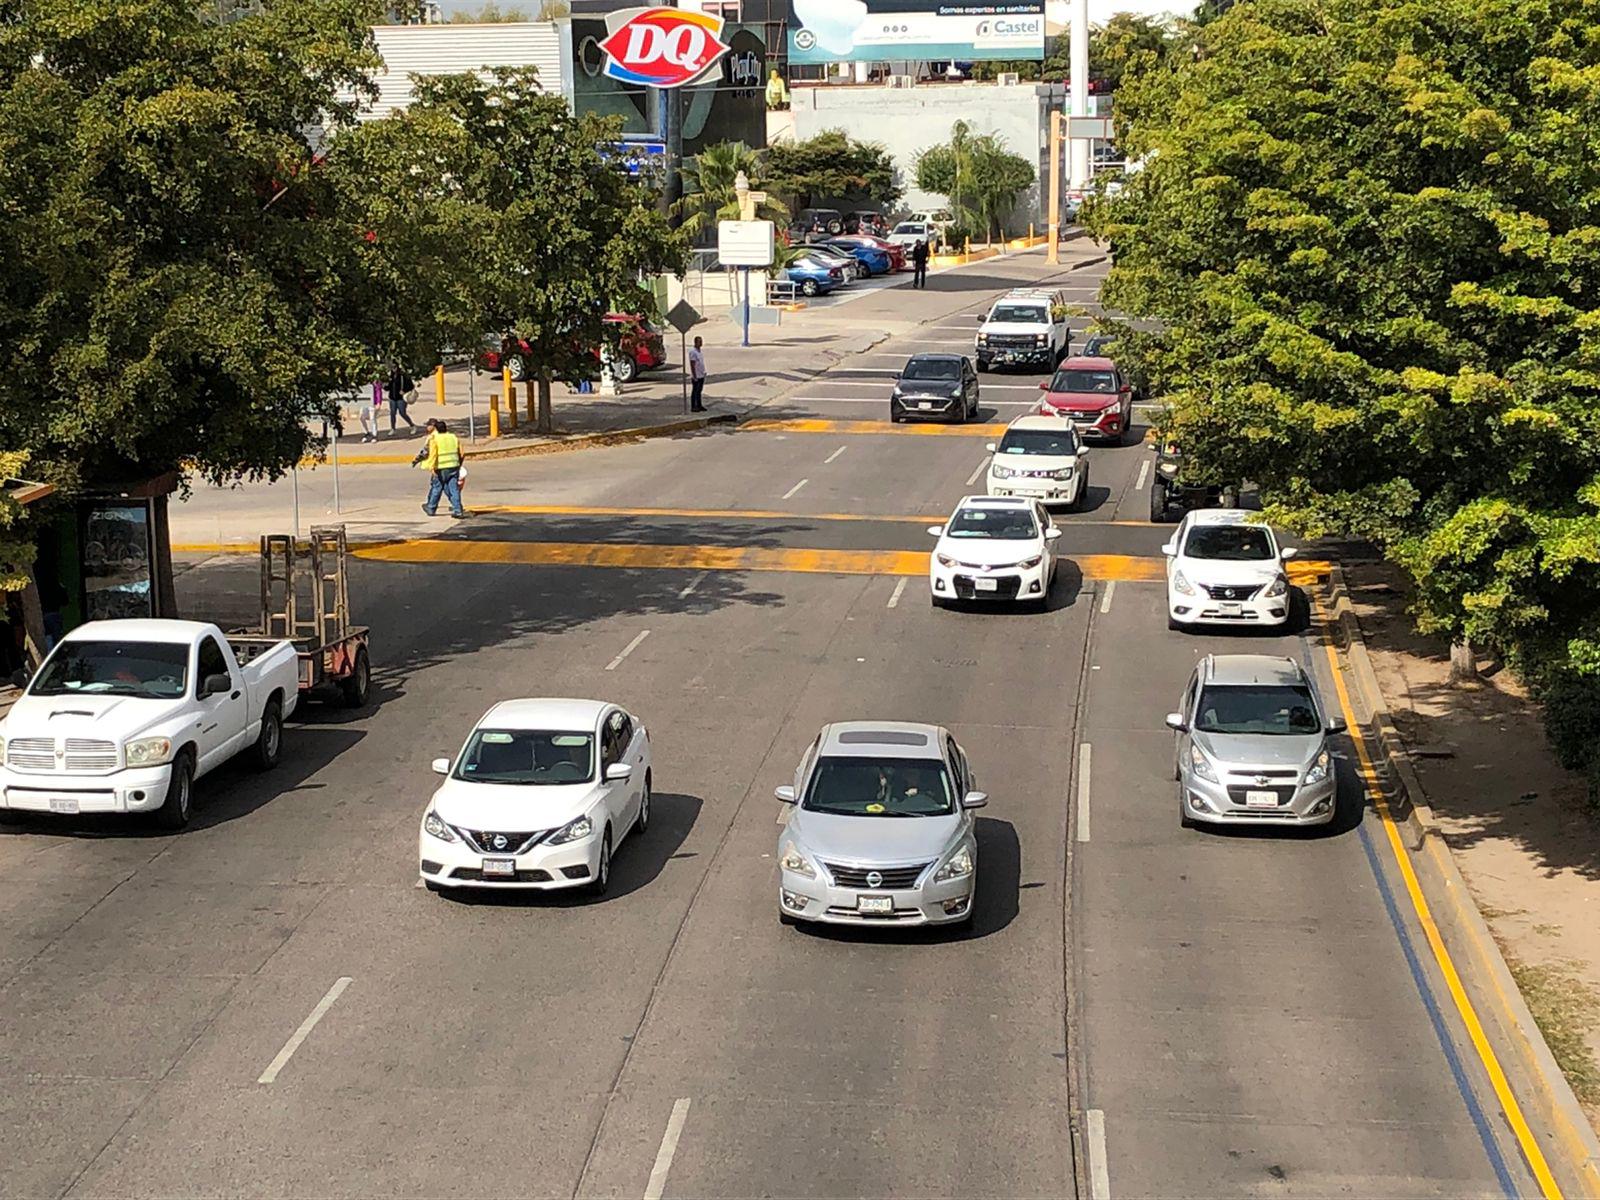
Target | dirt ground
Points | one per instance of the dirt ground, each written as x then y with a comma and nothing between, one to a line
1524,835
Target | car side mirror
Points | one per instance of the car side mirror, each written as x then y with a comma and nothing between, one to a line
214,685
1045,386
1170,549
1176,721
1051,534
441,766
982,320
785,794
1336,725
617,772
935,530
974,799
989,447
897,374
1287,553
20,678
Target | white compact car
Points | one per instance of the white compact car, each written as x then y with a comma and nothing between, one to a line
1040,458
1225,569
539,798
994,548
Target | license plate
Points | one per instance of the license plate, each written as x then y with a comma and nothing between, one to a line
875,904
63,804
1254,799
986,585
925,405
1232,610
499,866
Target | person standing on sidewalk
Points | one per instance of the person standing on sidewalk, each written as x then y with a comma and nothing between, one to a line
697,377
401,388
919,264
367,410
444,465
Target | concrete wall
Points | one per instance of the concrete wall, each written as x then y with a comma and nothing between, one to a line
907,120
410,50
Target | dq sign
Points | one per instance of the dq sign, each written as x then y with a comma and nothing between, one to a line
662,47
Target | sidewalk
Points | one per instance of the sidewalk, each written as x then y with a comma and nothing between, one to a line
1518,825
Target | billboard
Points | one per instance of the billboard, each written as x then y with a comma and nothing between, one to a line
661,47
915,30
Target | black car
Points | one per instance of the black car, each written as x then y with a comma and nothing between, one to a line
821,220
1099,345
941,387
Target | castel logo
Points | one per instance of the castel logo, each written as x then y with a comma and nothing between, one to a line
662,47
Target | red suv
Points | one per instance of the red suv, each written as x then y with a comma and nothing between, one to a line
1094,395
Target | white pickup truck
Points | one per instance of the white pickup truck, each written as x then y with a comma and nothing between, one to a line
124,716
1028,326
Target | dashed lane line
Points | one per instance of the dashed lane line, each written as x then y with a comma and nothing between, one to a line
976,471
692,584
1083,792
1105,600
899,589
657,1185
835,454
1144,474
301,1034
628,649
1099,1170
792,492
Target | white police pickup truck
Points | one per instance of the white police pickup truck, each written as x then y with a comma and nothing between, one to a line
1028,326
124,716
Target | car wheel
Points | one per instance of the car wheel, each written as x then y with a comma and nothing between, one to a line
983,363
785,919
642,821
269,742
808,288
174,811
436,889
939,602
602,874
1080,502
1175,625
625,369
1158,501
357,688
1185,821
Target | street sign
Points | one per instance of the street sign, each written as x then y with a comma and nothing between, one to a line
1089,127
683,316
744,243
760,314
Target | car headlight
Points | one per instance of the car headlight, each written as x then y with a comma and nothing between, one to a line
572,831
945,560
434,827
147,752
796,863
1001,472
1041,339
1180,584
1028,564
957,866
1201,764
1277,587
1167,469
1062,473
1318,770
982,338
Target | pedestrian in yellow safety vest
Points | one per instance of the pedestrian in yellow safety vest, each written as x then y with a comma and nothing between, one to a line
443,461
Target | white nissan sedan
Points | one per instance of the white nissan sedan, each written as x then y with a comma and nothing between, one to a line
538,798
1225,568
994,548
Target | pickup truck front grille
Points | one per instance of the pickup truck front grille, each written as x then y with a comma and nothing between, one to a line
90,754
78,754
31,754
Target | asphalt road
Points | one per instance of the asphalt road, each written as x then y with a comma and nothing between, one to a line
1242,1013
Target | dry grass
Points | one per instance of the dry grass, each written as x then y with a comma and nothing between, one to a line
1566,1009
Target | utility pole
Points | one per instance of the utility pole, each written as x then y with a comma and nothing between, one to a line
1078,148
1052,253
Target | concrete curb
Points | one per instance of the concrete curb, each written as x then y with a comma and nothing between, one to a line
1565,1127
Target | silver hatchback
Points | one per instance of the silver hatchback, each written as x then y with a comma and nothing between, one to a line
882,831
1253,744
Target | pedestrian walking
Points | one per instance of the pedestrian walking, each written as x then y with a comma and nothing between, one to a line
444,465
919,264
402,390
697,377
367,410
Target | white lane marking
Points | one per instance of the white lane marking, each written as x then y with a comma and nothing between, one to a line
1144,474
835,454
669,1146
1105,600
419,884
692,584
789,495
1099,1173
978,470
306,1026
894,599
1083,792
627,650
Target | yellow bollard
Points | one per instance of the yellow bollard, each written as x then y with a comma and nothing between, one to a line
510,394
438,383
1030,231
494,414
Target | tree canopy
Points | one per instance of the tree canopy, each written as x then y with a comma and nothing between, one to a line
1370,230
977,173
832,166
709,194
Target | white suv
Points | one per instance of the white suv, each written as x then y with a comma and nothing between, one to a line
1041,458
1225,569
1024,326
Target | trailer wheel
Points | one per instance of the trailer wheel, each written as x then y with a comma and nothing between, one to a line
357,688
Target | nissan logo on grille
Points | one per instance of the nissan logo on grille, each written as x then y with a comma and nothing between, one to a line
500,842
874,879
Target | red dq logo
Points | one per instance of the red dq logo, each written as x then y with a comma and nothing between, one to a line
662,47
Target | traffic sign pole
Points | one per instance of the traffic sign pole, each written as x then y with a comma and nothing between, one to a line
745,271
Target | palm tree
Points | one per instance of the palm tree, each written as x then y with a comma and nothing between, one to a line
708,191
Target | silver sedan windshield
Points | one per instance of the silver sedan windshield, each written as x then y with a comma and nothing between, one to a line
880,787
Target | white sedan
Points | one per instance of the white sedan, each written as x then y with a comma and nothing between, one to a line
539,798
1224,568
994,548
1041,458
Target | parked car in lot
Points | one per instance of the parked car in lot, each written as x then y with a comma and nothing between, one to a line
994,548
539,797
849,265
1027,326
1094,395
882,829
935,387
895,251
865,220
873,260
1252,744
1040,458
813,277
820,220
124,716
909,233
1223,568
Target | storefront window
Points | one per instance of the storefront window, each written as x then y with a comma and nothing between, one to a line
116,561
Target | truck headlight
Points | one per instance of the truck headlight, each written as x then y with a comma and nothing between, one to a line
1041,339
1000,472
958,866
434,827
982,338
1277,587
1180,584
1063,473
1201,764
1318,770
796,863
572,831
147,752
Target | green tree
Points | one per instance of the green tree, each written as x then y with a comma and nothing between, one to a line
833,166
557,234
1127,43
1371,232
981,178
492,14
709,195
